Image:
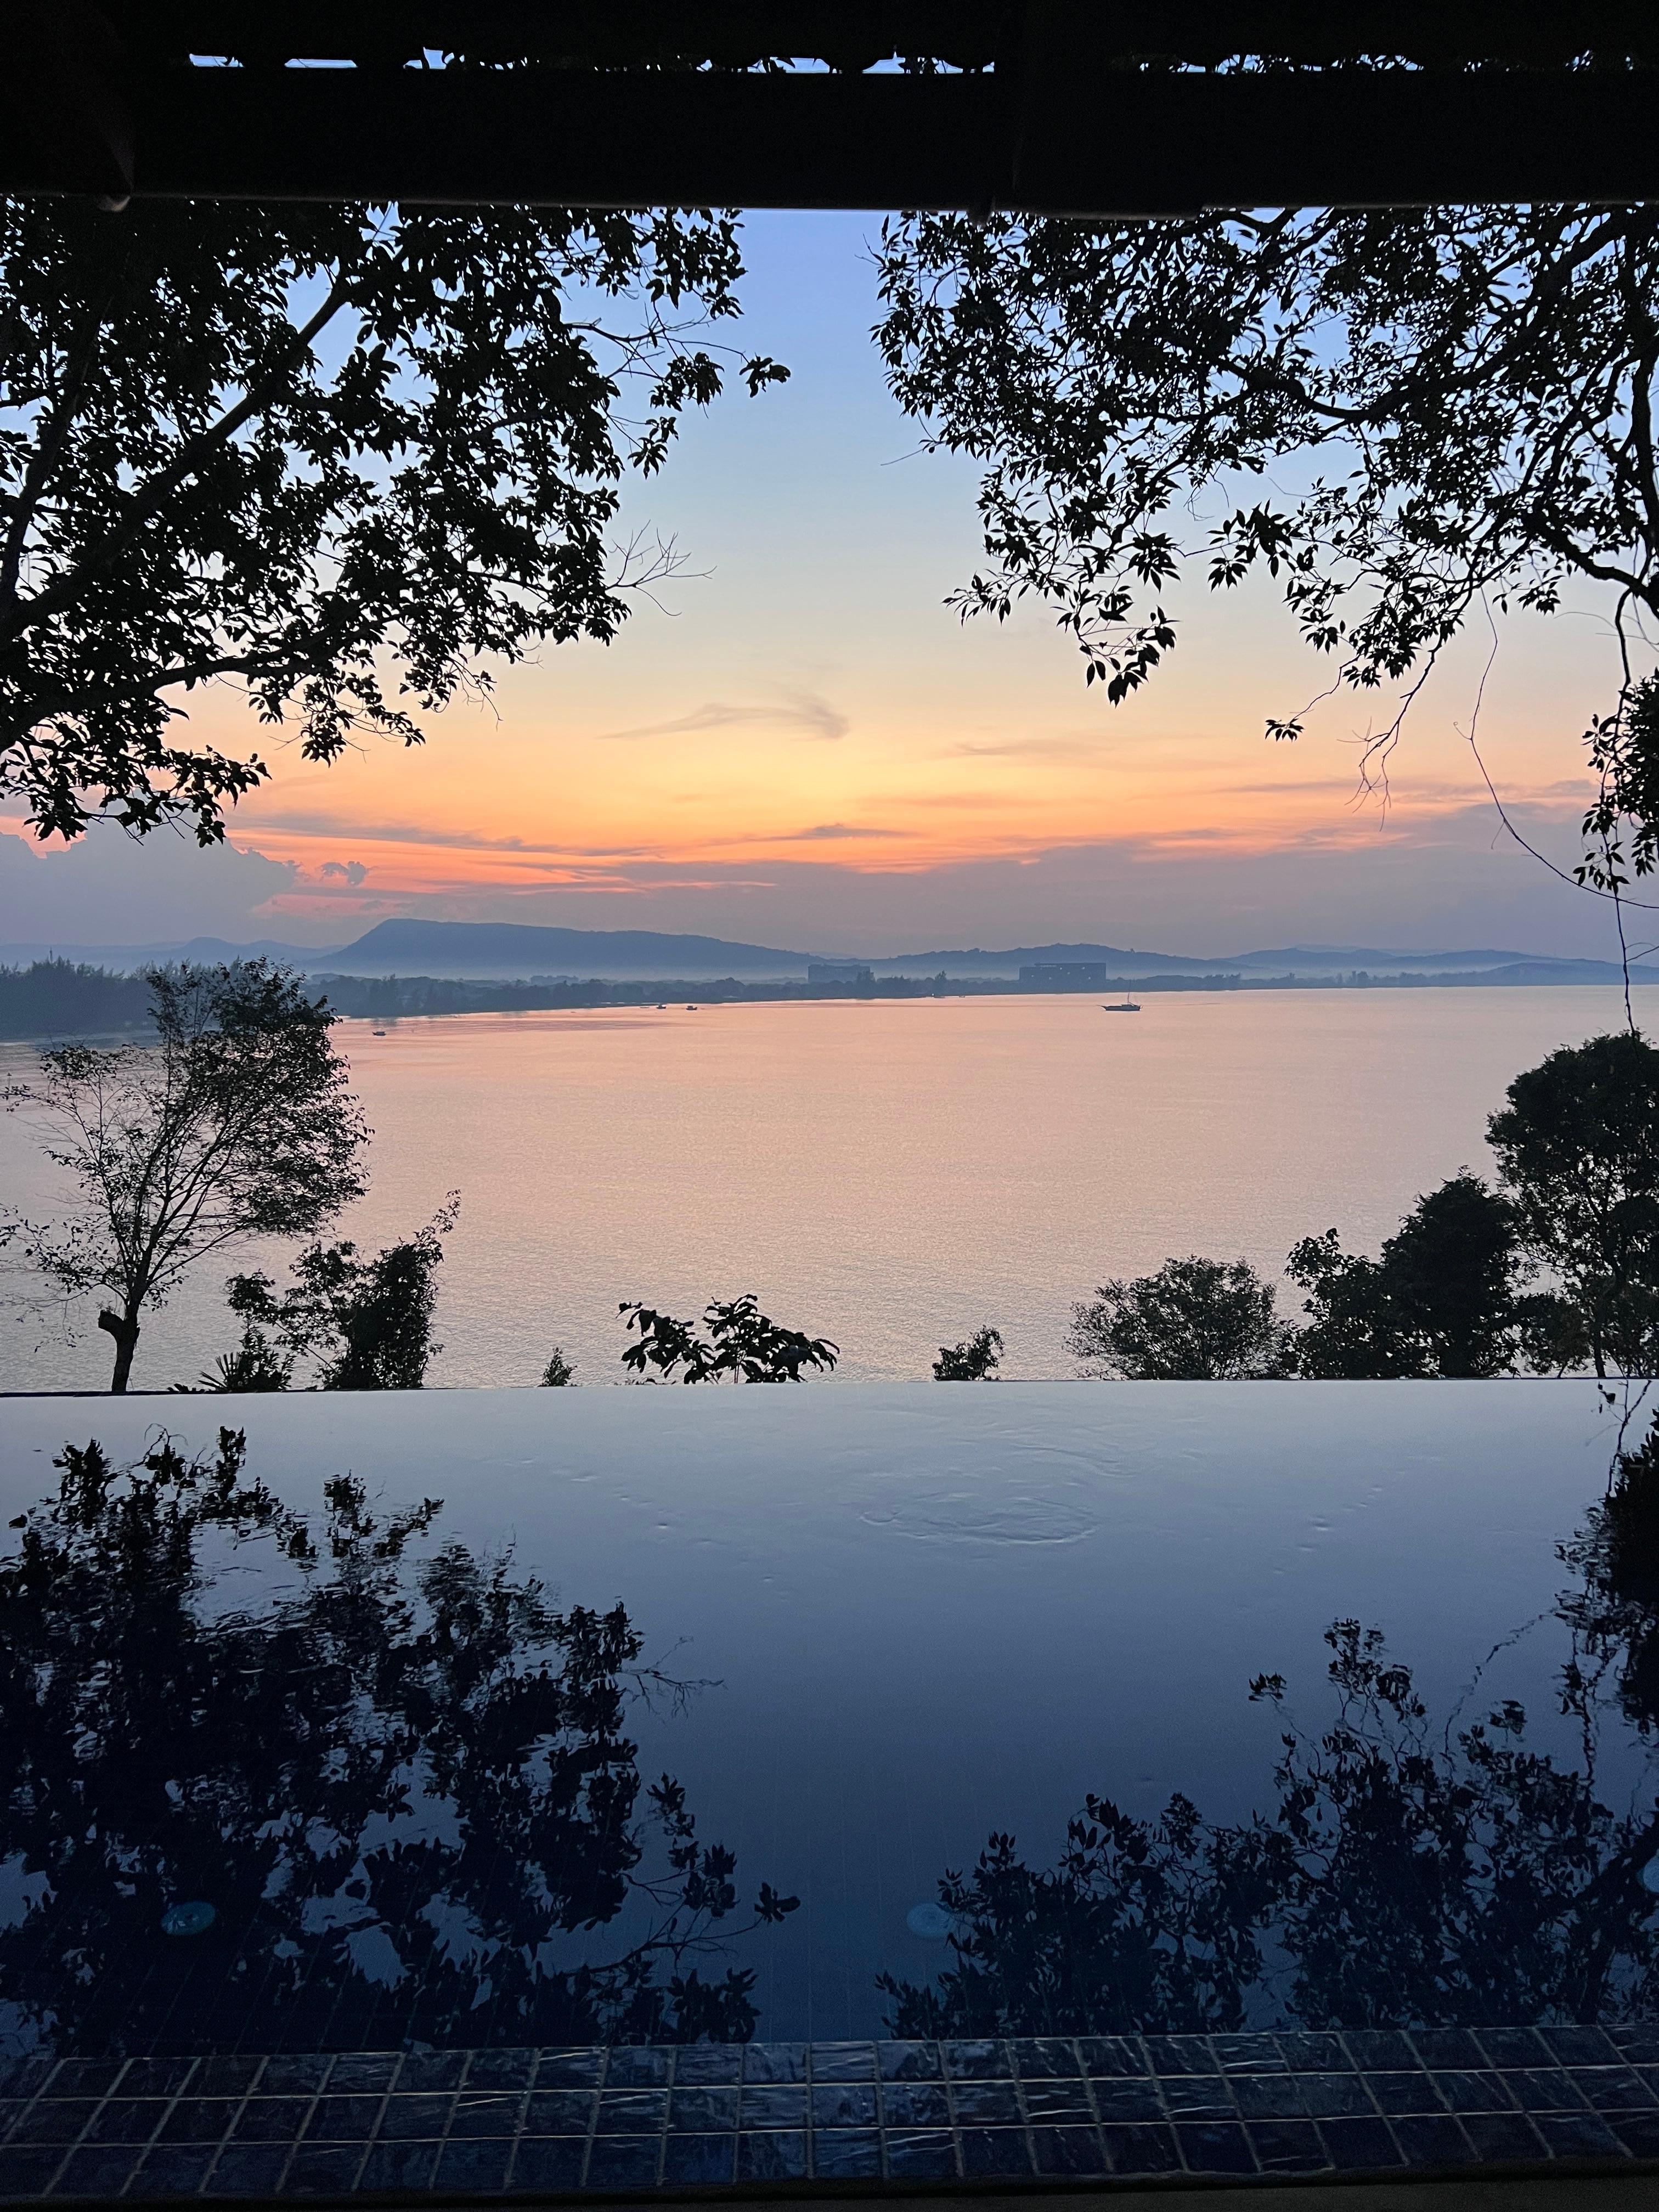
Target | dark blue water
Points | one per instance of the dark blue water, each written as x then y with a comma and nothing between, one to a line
690,1715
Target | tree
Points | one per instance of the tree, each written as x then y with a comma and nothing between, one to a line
1194,1321
1353,1329
1400,415
560,1373
1444,1298
742,1345
238,1122
367,1323
1578,1146
341,457
401,1781
975,1360
255,1365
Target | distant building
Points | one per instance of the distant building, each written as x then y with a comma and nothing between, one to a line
1068,976
851,972
1094,976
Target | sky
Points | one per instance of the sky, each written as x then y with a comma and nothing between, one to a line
797,744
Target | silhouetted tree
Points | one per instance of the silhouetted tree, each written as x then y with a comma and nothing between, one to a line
560,1373
1621,830
1578,1146
1353,1329
367,1323
306,449
255,1365
742,1346
1131,390
238,1122
977,1359
1444,1298
401,1778
1194,1321
64,998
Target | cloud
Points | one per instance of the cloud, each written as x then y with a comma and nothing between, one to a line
1206,898
111,888
825,832
346,871
802,712
1022,749
385,833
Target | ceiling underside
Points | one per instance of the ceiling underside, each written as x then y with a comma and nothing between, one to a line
1057,106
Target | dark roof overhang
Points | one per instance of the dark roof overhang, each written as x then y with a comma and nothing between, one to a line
1062,106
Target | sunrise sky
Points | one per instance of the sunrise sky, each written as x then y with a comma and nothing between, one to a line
801,746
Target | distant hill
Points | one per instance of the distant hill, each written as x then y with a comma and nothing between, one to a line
1285,960
500,948
977,962
1303,959
491,950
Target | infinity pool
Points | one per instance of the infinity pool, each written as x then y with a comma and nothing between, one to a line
928,1746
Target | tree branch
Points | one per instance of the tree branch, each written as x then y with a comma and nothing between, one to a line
146,504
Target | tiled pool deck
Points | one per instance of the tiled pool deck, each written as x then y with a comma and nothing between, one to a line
628,2120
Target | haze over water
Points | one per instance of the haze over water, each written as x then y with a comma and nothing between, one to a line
887,1174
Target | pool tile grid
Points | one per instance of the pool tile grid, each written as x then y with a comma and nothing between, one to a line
622,2120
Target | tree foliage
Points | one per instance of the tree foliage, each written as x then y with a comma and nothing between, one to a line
402,1780
1398,414
366,1321
1194,1321
742,1345
1577,1145
237,1122
975,1359
1445,1298
256,1365
342,457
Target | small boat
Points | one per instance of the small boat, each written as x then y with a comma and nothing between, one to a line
380,1032
1126,1005
690,1010
662,1005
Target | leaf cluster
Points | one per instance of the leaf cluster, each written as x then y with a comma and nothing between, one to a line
365,1321
1194,1321
1395,415
1577,1147
742,1345
341,457
237,1121
975,1359
1444,1298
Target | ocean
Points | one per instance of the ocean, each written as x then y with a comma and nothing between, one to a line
887,1174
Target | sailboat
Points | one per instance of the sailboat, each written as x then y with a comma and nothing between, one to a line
1126,1005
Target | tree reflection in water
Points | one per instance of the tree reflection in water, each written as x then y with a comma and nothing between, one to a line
397,1783
403,1784
1407,1875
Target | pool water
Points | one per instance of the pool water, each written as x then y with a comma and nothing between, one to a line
904,1719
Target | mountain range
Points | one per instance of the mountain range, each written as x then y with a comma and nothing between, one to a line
506,950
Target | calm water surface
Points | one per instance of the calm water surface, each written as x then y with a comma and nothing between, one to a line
904,1620
887,1174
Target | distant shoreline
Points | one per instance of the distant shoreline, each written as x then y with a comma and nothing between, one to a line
93,1005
